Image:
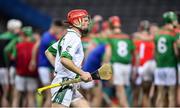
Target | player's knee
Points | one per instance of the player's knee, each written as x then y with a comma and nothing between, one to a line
146,86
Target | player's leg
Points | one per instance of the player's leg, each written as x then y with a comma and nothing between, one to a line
78,100
171,96
178,87
92,92
148,68
178,96
56,105
45,78
16,98
97,94
12,74
5,86
119,82
171,82
32,85
136,94
19,88
160,81
146,89
160,96
81,103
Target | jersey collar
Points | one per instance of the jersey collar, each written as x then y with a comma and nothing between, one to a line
71,30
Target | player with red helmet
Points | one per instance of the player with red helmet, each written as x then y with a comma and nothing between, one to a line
67,61
120,49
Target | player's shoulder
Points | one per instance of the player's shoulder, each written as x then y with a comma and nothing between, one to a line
119,36
164,31
177,30
72,35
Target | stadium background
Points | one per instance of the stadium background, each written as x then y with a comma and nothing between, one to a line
39,13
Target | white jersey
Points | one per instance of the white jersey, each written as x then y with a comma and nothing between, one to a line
69,46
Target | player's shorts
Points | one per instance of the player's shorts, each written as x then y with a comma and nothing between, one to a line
87,85
178,73
66,94
146,71
12,74
25,83
4,76
121,74
44,75
165,76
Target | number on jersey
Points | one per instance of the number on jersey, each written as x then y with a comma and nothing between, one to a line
142,50
161,47
122,49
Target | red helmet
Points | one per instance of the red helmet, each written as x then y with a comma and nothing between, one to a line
115,21
76,15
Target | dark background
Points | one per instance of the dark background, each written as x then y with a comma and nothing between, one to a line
39,13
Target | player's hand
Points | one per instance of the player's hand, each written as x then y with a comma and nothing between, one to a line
86,77
32,65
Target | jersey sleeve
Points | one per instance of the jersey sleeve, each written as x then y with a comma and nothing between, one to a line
53,48
69,46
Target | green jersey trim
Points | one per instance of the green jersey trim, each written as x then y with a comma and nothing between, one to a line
52,50
66,55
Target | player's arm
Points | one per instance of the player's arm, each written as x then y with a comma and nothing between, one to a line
10,48
68,63
68,49
136,56
142,37
108,54
33,62
51,53
50,57
175,45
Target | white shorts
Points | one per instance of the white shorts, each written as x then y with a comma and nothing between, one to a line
45,75
121,74
178,73
165,76
147,70
87,85
12,74
25,83
4,80
66,94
